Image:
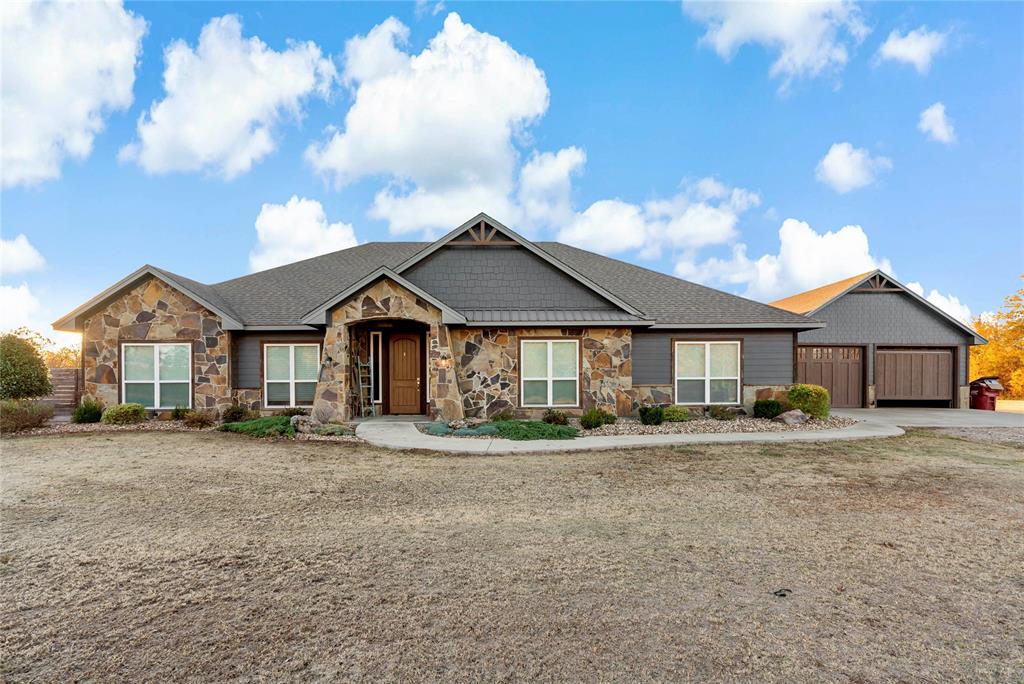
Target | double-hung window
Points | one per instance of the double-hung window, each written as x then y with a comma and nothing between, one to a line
289,374
707,372
550,373
158,376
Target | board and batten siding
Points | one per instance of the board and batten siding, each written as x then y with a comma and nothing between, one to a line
246,345
885,319
767,356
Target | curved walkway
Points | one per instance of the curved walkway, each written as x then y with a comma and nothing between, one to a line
393,435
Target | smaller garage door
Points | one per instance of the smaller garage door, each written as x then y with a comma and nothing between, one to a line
914,374
840,370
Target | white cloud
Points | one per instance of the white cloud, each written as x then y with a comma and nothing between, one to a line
66,65
424,7
948,303
917,48
806,259
224,101
936,125
440,125
545,186
18,256
608,226
845,167
20,308
294,231
810,38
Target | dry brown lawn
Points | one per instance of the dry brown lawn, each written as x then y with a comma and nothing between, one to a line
209,557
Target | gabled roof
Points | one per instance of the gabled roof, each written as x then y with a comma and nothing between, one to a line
812,301
202,294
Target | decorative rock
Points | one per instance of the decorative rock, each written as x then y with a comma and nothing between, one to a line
792,417
305,424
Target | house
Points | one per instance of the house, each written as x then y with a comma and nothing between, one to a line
882,345
480,321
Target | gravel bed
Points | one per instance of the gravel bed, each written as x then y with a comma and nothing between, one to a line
309,437
697,426
73,428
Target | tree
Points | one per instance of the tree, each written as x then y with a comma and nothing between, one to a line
23,374
65,357
1003,356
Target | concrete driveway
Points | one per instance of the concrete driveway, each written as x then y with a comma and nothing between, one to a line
927,417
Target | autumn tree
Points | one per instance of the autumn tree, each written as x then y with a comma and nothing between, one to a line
1003,356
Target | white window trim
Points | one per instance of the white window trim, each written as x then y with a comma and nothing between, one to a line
707,377
156,382
549,378
377,367
291,374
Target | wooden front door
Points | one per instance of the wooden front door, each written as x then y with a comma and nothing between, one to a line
404,380
837,369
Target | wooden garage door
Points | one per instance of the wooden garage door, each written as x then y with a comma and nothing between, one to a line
840,370
914,374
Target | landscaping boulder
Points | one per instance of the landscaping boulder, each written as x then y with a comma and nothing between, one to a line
793,417
306,424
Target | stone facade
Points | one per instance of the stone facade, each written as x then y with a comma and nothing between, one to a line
752,393
152,311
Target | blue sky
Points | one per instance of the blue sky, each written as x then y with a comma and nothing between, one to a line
759,152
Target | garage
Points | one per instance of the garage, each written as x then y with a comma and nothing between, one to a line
840,370
914,375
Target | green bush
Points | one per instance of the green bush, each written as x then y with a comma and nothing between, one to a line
767,408
271,426
179,412
676,414
292,411
198,419
439,428
485,430
236,414
722,413
811,399
20,414
89,411
334,430
124,414
555,417
521,430
23,373
652,415
595,418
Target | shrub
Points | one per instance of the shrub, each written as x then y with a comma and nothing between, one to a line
236,414
293,411
676,414
23,373
652,415
439,428
334,430
19,414
595,418
521,430
179,412
124,414
89,411
504,414
271,426
485,430
767,408
555,417
198,419
811,399
722,413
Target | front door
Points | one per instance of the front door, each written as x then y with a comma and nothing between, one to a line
404,367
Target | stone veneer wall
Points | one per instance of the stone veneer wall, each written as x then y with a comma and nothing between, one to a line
155,312
486,366
384,300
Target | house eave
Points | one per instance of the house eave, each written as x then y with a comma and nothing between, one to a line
810,325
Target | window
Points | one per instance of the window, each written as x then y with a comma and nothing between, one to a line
157,376
707,372
290,372
376,367
550,373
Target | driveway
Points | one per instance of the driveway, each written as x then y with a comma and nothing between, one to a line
942,418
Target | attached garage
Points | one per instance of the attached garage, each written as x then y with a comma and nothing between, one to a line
882,345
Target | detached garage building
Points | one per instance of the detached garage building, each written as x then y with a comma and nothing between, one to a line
882,345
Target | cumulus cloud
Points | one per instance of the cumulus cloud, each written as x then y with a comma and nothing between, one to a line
439,126
296,230
224,100
20,308
809,38
18,256
948,303
806,259
917,48
545,186
66,66
845,167
936,125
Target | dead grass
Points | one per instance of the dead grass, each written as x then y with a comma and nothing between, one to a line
209,556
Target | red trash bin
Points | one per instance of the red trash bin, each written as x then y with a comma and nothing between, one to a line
984,392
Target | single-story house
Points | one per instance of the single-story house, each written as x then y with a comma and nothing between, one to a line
475,323
882,345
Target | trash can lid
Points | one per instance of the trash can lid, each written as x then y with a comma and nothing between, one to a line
989,381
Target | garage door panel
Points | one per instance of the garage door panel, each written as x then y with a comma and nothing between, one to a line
840,370
914,374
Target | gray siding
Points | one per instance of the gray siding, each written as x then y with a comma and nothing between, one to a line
500,278
885,318
767,356
246,361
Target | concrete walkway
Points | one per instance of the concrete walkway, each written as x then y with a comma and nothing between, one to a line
928,417
394,435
